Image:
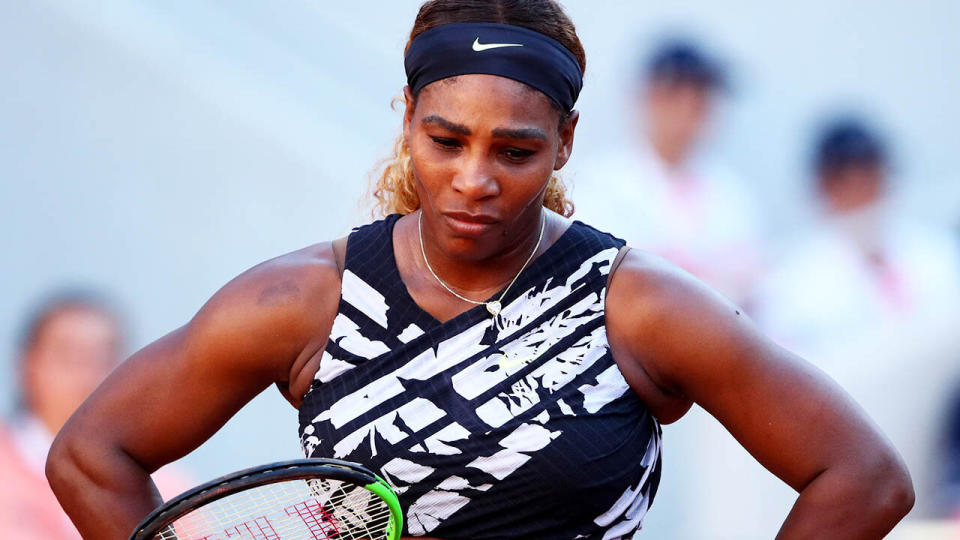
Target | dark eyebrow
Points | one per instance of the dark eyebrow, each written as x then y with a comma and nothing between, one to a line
500,133
459,129
519,133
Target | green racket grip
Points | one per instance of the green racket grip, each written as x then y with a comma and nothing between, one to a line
381,488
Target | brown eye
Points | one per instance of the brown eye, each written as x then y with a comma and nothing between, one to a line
517,154
446,143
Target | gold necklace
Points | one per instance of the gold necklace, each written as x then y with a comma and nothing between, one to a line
493,306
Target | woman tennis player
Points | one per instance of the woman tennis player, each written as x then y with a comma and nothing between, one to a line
504,368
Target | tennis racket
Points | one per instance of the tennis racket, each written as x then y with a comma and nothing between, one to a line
304,499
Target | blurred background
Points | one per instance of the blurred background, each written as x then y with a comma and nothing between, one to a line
797,157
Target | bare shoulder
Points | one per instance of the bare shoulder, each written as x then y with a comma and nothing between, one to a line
252,333
696,345
274,310
658,318
292,280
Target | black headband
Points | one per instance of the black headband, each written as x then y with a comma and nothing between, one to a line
495,49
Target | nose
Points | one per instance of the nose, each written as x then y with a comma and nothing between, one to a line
474,179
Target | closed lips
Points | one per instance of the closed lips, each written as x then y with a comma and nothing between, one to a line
479,218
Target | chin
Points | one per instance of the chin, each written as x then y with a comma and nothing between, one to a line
470,248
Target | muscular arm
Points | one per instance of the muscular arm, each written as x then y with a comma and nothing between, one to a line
175,393
791,417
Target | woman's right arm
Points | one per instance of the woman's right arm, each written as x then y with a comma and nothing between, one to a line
266,326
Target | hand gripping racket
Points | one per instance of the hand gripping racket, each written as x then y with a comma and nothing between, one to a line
304,499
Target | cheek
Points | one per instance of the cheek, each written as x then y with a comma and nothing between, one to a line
527,189
695,109
429,173
537,172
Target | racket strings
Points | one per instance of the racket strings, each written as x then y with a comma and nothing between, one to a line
317,509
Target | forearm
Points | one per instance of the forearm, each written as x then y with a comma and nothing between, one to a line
850,503
104,491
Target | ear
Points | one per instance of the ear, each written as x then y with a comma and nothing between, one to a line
566,140
410,105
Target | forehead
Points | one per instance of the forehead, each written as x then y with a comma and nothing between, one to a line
681,89
74,321
479,99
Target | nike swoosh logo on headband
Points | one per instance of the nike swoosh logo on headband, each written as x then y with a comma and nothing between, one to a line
480,47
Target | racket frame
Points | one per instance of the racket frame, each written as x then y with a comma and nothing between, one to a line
270,473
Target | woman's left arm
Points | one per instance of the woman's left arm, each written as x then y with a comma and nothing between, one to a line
796,421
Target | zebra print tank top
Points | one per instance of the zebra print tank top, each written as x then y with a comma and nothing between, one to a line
519,426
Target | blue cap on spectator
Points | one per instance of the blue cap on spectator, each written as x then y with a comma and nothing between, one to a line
846,142
682,61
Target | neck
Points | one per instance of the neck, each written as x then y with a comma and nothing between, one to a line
472,273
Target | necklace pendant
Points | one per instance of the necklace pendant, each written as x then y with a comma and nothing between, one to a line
493,307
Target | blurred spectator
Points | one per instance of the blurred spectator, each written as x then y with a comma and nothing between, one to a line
948,492
864,270
69,345
664,195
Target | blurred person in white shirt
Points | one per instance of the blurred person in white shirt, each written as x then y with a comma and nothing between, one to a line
866,269
665,194
70,344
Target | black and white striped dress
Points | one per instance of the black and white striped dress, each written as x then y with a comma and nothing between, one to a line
515,427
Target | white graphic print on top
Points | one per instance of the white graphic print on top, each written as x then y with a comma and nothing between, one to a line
495,392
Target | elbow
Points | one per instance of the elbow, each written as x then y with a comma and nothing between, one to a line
891,489
61,468
68,467
898,496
